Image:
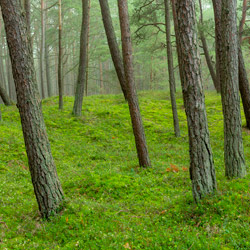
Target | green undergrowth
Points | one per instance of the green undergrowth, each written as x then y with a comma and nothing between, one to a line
111,203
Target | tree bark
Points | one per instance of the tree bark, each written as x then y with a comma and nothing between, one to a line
171,69
229,70
60,81
77,110
202,170
113,45
27,16
135,115
46,184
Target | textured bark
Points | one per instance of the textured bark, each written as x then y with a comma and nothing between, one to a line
4,95
27,15
202,172
171,69
206,52
46,184
218,42
77,110
113,45
135,115
59,68
233,145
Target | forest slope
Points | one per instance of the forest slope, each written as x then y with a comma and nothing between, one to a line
110,202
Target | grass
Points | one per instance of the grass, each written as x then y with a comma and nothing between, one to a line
110,202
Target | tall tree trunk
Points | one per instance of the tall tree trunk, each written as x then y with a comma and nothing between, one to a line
60,81
77,110
206,52
113,45
88,51
171,69
138,129
42,49
202,170
46,184
12,91
233,145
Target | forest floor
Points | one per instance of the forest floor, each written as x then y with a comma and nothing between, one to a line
111,203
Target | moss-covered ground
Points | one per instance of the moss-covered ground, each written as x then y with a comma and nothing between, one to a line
110,202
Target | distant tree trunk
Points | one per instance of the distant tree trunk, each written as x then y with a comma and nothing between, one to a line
12,91
101,77
233,146
206,52
218,42
88,51
113,45
42,49
202,170
46,184
171,69
60,81
77,110
4,95
47,59
138,129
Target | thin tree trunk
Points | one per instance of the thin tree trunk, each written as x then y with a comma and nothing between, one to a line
229,70
47,56
202,170
60,82
101,77
88,51
206,52
46,184
113,45
77,110
138,129
171,69
42,49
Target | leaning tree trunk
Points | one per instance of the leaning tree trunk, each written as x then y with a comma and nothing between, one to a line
202,170
206,52
46,184
135,115
113,45
77,109
4,95
233,145
171,69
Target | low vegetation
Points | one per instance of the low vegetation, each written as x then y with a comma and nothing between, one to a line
111,203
